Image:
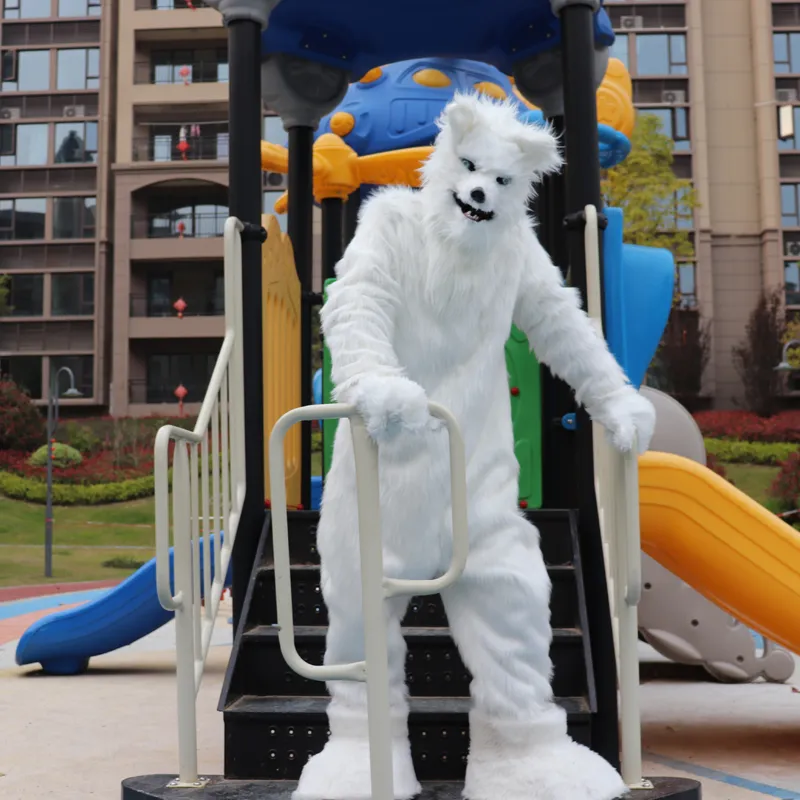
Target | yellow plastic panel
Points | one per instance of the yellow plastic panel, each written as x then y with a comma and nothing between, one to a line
281,330
723,544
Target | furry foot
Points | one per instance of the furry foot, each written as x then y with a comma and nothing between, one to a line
626,414
522,761
342,772
390,405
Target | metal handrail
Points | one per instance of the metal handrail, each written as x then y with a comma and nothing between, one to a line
201,480
376,588
617,482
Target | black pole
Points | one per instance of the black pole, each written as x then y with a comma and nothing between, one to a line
301,210
245,202
582,187
351,210
332,235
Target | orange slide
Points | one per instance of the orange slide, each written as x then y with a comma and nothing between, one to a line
723,544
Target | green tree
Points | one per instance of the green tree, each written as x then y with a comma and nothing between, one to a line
658,205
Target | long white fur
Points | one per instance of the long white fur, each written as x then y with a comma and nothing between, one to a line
422,308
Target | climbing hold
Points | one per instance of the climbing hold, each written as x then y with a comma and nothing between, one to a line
372,75
342,123
491,89
515,391
433,78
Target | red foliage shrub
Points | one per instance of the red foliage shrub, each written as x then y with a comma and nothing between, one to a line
717,466
97,468
748,427
22,427
786,486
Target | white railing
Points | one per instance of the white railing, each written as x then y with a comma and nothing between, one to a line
208,491
617,488
375,587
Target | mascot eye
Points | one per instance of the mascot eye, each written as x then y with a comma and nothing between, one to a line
503,180
468,164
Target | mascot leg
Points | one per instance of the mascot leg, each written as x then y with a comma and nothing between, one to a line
499,617
342,770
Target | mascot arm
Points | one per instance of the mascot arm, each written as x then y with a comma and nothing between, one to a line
564,337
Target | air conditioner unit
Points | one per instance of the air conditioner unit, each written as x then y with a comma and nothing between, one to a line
10,113
629,23
74,111
786,96
275,181
673,97
793,249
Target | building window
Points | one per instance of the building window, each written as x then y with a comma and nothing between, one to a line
270,198
23,145
26,70
189,66
159,296
82,368
620,49
793,143
25,295
22,218
791,279
218,305
166,372
74,217
79,8
26,9
674,123
25,371
274,131
73,294
76,142
78,69
790,218
686,284
200,221
786,53
661,54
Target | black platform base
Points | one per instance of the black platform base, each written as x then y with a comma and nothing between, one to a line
154,787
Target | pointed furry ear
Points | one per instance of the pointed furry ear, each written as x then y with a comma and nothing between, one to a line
459,115
540,149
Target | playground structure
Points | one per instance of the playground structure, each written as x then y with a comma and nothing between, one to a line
594,574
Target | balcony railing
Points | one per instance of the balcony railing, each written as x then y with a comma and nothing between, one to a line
141,390
197,305
191,71
213,147
168,5
177,225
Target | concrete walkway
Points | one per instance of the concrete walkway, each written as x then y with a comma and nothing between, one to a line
78,737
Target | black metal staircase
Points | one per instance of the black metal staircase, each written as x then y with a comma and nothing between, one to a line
275,719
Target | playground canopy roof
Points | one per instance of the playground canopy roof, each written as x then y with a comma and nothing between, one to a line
361,34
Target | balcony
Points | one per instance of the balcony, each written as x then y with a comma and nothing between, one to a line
153,316
173,147
168,5
182,234
152,17
46,337
181,68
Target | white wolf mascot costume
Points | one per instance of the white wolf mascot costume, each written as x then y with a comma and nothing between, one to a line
424,302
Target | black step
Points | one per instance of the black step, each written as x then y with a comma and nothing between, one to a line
433,665
555,527
154,787
423,612
274,737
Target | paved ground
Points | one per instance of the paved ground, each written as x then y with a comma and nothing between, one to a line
78,737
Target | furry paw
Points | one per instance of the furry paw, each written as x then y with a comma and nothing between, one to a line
556,770
392,405
342,772
626,414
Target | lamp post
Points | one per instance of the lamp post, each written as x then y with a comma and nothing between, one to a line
785,366
52,424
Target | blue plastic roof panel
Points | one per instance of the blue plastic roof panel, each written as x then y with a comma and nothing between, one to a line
361,34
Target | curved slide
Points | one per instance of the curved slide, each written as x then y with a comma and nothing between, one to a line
64,642
722,543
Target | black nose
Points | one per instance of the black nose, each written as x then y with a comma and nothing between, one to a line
478,195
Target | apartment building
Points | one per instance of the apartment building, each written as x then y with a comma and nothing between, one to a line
56,87
716,72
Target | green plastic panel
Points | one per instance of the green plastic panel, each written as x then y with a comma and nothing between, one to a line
526,413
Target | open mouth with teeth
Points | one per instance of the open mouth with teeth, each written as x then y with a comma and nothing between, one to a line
471,213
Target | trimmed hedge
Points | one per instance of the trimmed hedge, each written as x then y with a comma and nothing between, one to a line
764,453
63,456
33,491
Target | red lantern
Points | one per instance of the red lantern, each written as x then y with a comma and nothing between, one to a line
181,393
190,5
180,306
185,73
183,148
181,226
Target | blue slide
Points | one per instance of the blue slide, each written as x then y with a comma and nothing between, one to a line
64,642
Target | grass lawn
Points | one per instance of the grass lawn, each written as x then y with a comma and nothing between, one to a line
753,480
